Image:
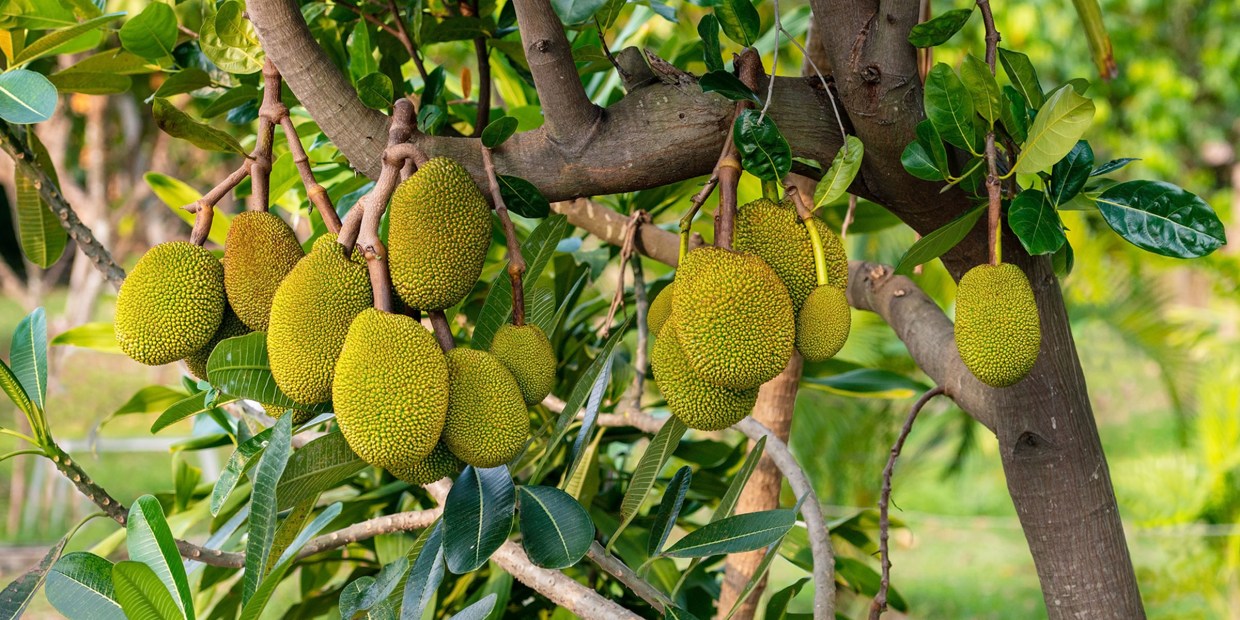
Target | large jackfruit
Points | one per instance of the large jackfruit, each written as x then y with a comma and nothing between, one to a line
261,249
438,235
823,324
487,422
440,463
997,328
230,327
310,317
391,390
660,309
171,304
526,352
775,233
733,318
697,403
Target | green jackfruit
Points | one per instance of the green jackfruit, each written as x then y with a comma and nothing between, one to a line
261,249
526,352
300,416
733,318
440,463
997,329
440,230
487,422
230,327
697,403
310,316
171,304
660,308
391,390
775,233
823,324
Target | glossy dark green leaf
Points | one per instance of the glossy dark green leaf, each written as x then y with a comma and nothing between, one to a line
16,596
1014,114
90,83
523,198
149,541
13,388
1023,77
184,81
1113,165
152,33
735,534
263,505
28,356
573,12
498,131
1063,261
424,576
433,87
982,86
917,162
231,98
537,250
80,587
938,30
940,241
669,510
375,90
1036,223
1059,124
372,596
708,31
141,594
1162,218
865,580
651,463
950,107
186,407
48,43
253,610
777,604
1068,175
728,85
840,175
318,466
240,367
42,237
477,517
739,20
555,530
178,124
727,505
764,151
478,610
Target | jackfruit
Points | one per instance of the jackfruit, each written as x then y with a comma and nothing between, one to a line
526,352
310,316
391,390
775,233
300,416
997,329
438,236
440,463
733,318
697,403
660,308
171,304
230,327
487,422
261,249
823,324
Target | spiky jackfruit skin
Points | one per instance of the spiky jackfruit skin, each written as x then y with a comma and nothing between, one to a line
300,416
998,332
310,317
660,309
775,233
823,324
391,390
170,304
438,235
261,249
487,422
733,318
440,463
230,327
526,352
697,403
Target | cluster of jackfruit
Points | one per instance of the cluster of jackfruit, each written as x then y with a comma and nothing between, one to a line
998,333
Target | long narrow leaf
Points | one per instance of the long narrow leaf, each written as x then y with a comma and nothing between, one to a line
263,506
648,468
80,587
150,542
18,594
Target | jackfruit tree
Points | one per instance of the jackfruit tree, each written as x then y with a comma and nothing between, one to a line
433,319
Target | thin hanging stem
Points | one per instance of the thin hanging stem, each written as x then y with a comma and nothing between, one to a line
516,262
994,189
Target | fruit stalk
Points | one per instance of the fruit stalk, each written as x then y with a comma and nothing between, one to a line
815,239
270,111
374,203
443,332
993,187
516,262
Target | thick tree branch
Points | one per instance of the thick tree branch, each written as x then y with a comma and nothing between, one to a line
570,115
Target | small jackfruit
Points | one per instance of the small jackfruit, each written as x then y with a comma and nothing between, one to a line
300,416
438,235
660,308
526,352
823,324
775,233
310,317
487,422
440,463
733,318
697,403
261,249
391,390
997,328
170,304
230,327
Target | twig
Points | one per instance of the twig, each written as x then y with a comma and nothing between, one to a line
614,567
315,193
993,184
483,56
849,215
749,68
402,34
516,262
770,85
443,332
374,203
627,250
825,86
884,520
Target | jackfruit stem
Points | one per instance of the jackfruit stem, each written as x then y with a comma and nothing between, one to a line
270,111
202,225
993,189
315,193
749,69
443,332
394,157
815,240
516,262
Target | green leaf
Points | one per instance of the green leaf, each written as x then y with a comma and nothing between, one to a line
498,131
585,385
868,383
728,85
777,604
758,575
375,90
232,27
178,124
26,97
150,541
661,447
950,107
239,366
1014,114
43,239
152,33
184,81
522,197
1036,223
185,483
98,336
176,195
151,399
764,151
13,388
48,43
739,20
424,577
28,356
433,87
940,241
140,593
318,466
727,505
735,534
708,31
537,250
90,83
1113,165
669,510
938,30
982,87
17,595
253,610
675,613
1059,124
231,98
1162,218
187,407
840,175
555,530
477,611
263,505
238,463
238,60
374,595
80,587
574,12
1063,260
477,517
918,162
1068,176
1022,75
114,61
